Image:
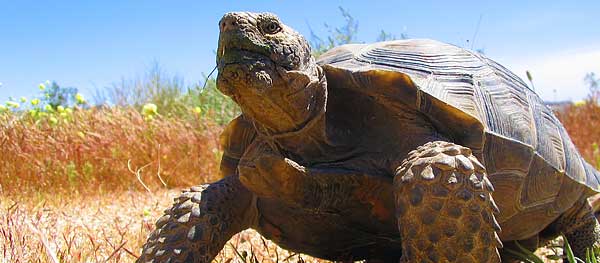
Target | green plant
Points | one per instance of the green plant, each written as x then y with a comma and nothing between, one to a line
55,95
210,102
528,256
171,96
385,36
345,34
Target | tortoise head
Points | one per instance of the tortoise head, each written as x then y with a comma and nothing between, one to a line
267,69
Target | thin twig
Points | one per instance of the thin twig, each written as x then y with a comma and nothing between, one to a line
158,171
476,31
138,174
49,251
208,77
115,252
131,253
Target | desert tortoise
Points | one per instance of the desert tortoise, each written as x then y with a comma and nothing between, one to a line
382,152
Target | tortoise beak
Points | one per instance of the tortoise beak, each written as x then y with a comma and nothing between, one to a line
230,29
238,34
229,23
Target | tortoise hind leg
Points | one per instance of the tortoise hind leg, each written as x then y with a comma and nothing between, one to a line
202,219
580,227
444,206
584,237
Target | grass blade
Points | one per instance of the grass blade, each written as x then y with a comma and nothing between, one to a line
521,256
587,255
528,254
242,257
569,251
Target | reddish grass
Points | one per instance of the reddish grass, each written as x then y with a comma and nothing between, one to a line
582,122
105,149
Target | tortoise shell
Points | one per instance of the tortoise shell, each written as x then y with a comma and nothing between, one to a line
530,159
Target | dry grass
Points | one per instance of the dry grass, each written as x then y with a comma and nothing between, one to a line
582,122
105,149
104,228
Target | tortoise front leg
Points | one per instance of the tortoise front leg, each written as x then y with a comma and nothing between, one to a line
202,219
444,206
327,189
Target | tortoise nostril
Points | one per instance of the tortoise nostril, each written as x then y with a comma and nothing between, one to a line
229,22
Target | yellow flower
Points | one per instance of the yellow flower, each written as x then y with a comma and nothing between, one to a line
149,109
197,110
35,102
3,108
48,108
69,110
60,108
579,103
81,134
42,86
79,98
23,99
53,120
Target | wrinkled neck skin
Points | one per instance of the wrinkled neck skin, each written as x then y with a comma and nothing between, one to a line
304,137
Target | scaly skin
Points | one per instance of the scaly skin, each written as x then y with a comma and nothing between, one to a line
444,206
321,189
584,237
579,226
200,222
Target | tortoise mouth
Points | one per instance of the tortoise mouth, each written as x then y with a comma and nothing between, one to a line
242,70
238,55
237,44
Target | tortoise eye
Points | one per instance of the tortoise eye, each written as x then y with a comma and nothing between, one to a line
271,27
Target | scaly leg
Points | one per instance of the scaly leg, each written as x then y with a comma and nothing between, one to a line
444,206
202,219
580,227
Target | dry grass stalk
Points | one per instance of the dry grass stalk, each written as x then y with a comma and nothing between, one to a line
104,228
91,151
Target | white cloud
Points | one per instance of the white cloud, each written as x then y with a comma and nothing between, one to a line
559,76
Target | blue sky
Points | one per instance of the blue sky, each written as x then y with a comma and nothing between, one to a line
92,44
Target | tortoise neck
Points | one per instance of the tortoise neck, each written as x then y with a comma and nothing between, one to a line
307,140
